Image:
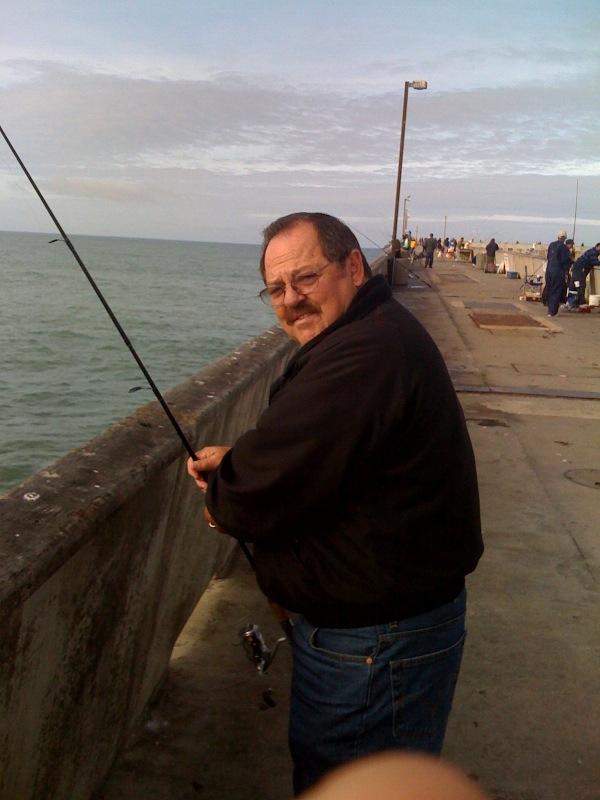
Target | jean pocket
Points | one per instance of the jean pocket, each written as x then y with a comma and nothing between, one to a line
344,644
422,691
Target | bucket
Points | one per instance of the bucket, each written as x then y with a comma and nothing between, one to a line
594,300
512,275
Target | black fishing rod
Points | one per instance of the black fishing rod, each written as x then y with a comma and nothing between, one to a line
258,652
102,299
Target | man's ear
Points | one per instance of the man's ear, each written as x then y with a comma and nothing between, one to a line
356,267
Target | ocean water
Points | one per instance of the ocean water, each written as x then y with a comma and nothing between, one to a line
65,373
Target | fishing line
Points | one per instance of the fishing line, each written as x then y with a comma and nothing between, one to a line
412,274
115,321
364,235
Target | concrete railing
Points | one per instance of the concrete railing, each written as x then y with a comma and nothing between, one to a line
103,556
401,266
379,266
520,262
509,259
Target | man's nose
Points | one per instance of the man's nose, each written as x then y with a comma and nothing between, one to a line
291,296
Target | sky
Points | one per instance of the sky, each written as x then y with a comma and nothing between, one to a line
204,120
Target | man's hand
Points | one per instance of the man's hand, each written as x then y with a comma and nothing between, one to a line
208,459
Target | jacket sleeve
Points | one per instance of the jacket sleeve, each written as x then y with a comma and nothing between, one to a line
325,422
594,259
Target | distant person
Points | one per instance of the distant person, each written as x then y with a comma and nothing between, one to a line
560,239
429,248
557,268
579,272
571,248
490,251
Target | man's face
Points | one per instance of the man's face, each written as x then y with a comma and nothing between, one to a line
297,251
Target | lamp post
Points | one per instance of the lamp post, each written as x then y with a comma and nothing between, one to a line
405,215
407,85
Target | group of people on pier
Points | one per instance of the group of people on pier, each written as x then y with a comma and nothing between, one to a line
427,247
566,275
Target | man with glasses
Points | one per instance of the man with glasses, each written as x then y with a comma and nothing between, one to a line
358,489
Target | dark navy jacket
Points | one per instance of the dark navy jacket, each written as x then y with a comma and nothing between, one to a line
559,257
586,261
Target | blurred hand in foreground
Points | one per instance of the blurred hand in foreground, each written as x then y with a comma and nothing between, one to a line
396,776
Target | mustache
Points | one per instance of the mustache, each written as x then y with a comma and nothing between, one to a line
303,307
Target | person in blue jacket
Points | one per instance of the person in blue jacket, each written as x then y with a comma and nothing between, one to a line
558,264
579,272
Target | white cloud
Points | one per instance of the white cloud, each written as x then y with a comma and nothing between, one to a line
225,142
125,190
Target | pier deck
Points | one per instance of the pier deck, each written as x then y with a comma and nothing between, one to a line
526,721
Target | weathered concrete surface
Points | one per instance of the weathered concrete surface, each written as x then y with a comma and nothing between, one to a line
526,720
99,571
212,735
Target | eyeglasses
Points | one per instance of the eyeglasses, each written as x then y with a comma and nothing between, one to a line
303,283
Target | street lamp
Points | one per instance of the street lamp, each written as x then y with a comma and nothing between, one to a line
405,216
407,85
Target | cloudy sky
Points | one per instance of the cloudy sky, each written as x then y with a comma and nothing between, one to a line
202,119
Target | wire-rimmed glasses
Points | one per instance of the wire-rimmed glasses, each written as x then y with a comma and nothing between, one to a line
302,283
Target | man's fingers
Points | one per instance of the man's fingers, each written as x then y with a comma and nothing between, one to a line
207,460
194,469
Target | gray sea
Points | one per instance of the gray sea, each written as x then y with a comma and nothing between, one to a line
65,373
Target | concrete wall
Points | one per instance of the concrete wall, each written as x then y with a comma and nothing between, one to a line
515,259
99,570
379,266
518,262
400,273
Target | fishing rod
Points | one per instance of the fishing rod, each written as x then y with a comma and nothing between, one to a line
104,302
259,654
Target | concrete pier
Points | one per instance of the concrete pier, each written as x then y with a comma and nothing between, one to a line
526,719
103,556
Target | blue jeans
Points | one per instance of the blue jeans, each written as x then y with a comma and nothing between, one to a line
357,691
